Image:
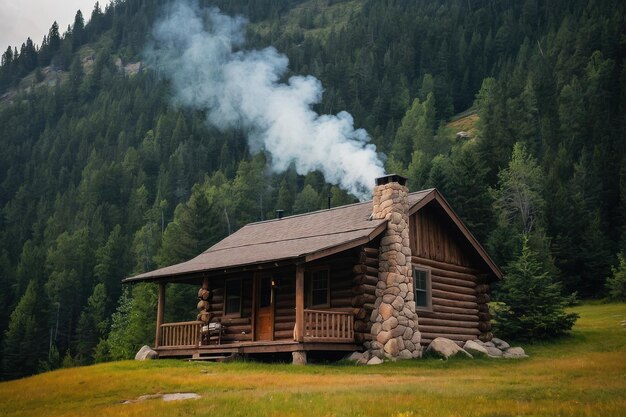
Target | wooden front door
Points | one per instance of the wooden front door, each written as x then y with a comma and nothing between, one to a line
264,318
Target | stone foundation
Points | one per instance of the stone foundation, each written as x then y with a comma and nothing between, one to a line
394,321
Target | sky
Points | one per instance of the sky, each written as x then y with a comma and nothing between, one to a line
21,19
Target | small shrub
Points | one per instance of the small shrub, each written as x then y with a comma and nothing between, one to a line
616,283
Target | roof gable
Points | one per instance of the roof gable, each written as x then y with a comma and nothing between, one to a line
436,197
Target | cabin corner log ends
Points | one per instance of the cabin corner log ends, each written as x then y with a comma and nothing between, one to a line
394,326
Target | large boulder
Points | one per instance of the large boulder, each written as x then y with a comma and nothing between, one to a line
146,353
445,348
475,348
515,353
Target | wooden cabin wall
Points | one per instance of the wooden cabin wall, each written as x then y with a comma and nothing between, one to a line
431,238
340,280
236,328
285,307
341,276
365,279
459,291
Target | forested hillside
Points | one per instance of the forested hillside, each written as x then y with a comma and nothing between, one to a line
104,175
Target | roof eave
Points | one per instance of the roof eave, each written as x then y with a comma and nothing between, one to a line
177,276
331,250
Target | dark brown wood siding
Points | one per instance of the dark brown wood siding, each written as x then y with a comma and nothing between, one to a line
237,327
341,277
285,308
364,290
431,237
458,292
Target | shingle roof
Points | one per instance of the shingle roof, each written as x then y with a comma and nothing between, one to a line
307,236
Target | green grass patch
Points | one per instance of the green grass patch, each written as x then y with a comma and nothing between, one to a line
581,375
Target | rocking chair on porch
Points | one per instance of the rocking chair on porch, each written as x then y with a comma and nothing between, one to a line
212,331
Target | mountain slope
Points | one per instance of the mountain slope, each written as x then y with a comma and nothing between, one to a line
103,174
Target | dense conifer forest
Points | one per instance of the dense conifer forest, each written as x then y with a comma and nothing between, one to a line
103,175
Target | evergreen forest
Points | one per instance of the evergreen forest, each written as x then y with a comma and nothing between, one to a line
103,175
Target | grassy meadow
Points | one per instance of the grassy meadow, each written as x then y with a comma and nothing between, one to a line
582,375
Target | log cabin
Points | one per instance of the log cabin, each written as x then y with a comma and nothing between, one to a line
385,276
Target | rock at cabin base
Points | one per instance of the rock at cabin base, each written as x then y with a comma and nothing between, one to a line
515,353
444,348
354,357
475,349
146,353
500,344
493,352
364,358
375,361
299,357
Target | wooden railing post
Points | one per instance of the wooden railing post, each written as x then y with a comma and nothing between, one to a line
299,336
159,321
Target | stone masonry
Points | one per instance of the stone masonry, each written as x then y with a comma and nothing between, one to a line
394,321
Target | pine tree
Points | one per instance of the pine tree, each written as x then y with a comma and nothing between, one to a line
78,30
113,264
616,283
92,325
129,327
25,339
307,200
533,306
518,199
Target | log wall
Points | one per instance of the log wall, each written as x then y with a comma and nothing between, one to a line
236,328
432,238
240,328
459,292
285,307
365,279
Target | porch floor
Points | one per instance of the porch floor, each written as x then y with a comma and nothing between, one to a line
252,347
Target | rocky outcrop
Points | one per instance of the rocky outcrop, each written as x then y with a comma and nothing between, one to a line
498,348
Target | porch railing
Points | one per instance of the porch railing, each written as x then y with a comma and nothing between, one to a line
186,333
328,326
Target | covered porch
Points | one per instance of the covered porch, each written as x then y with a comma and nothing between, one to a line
278,309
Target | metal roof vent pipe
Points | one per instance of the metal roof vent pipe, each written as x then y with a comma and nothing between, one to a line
279,214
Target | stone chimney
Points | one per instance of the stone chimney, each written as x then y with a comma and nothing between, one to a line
394,321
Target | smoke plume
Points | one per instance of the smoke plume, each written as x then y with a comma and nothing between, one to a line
202,51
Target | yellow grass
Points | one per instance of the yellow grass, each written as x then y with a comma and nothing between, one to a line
584,375
465,124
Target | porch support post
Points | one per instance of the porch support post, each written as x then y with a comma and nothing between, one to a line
299,333
160,305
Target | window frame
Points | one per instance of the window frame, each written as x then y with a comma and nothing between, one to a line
427,288
238,313
309,290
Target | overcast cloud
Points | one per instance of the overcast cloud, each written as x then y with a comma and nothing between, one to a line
32,18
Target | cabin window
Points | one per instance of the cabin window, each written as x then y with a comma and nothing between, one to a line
232,298
421,286
319,288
